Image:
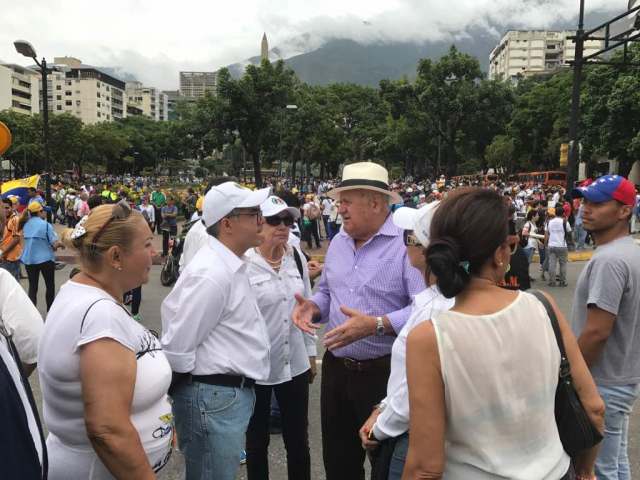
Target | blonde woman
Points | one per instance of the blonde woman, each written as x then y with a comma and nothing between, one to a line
104,377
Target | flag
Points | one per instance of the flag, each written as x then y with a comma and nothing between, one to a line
19,188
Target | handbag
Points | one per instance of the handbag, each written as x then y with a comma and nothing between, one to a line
577,433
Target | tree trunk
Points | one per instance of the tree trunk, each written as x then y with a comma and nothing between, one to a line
451,155
257,172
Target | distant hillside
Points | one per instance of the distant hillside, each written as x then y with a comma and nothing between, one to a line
344,60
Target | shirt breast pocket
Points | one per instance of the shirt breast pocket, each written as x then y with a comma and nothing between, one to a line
263,289
384,277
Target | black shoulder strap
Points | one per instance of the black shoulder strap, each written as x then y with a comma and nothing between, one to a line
296,257
565,368
84,317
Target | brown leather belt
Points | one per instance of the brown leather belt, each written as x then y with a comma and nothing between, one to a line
364,365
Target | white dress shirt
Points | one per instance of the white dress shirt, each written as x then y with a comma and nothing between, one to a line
394,419
197,236
19,318
290,347
211,321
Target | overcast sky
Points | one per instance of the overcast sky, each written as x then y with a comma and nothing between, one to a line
154,39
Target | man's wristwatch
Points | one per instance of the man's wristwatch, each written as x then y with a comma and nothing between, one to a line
379,326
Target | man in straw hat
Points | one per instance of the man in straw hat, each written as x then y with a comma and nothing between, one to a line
364,296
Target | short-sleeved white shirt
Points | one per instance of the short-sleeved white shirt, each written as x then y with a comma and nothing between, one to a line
80,315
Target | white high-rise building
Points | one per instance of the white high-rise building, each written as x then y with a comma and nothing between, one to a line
150,101
19,89
85,92
196,84
522,53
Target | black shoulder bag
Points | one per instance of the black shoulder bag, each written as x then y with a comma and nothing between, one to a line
577,433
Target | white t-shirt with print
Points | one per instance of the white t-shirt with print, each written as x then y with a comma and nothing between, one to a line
80,315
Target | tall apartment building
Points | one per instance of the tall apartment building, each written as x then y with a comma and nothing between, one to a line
19,89
85,92
172,101
150,101
195,84
523,53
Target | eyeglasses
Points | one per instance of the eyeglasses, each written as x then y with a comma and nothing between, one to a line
275,221
410,240
120,211
257,213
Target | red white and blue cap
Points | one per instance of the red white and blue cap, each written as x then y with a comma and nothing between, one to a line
609,187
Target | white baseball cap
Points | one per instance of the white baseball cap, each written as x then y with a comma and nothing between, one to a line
273,205
416,219
223,198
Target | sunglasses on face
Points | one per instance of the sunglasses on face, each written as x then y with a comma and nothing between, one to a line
410,240
275,221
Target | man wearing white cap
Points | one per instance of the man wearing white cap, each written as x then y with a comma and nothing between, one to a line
389,422
215,337
365,296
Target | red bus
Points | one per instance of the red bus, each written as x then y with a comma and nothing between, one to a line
545,178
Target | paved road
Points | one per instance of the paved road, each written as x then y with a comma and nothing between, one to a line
153,294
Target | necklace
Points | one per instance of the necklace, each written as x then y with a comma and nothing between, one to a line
272,263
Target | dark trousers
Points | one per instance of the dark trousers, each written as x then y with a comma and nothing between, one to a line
158,218
133,297
347,399
293,398
48,270
173,231
311,233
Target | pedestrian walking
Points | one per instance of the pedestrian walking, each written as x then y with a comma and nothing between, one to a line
169,226
364,296
496,422
556,240
104,377
38,255
12,241
277,272
606,314
215,336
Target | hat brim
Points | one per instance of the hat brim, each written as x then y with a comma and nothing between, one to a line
591,194
255,198
393,196
295,212
405,218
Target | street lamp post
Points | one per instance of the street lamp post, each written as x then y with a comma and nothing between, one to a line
574,148
25,48
288,107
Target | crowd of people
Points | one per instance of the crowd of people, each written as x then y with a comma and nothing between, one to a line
437,362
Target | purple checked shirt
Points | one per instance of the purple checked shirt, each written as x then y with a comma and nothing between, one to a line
376,279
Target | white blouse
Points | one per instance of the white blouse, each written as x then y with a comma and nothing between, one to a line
274,291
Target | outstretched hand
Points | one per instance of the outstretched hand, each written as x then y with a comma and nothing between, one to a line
303,314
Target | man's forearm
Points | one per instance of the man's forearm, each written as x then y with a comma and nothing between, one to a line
11,245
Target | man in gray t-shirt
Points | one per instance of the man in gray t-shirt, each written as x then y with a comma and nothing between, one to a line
606,314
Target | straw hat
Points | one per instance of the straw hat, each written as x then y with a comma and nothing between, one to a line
365,176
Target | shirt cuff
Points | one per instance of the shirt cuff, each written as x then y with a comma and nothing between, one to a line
181,362
398,319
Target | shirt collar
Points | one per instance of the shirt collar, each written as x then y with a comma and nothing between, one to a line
229,258
388,229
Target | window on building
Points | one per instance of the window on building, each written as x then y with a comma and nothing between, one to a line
68,93
58,107
68,103
98,94
98,84
98,104
68,82
58,87
108,88
58,97
98,114
78,103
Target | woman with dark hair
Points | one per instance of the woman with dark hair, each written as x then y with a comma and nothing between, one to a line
496,357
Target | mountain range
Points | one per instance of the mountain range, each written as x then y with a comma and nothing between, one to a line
337,60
